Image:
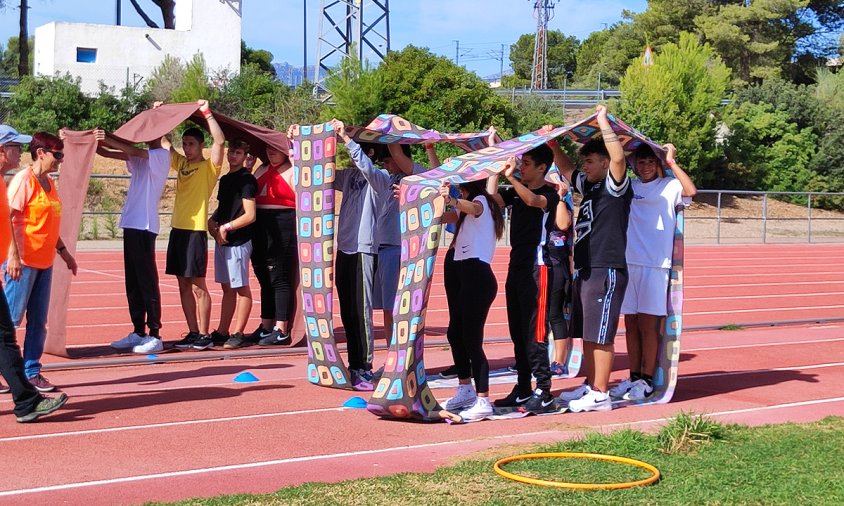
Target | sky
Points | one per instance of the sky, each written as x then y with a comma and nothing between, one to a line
480,26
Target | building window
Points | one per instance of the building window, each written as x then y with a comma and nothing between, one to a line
86,55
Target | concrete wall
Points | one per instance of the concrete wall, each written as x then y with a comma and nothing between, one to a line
129,54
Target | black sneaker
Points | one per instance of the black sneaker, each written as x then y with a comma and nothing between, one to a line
276,338
259,334
237,340
203,343
516,398
219,338
540,402
187,341
448,373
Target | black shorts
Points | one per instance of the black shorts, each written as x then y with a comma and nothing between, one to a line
596,304
187,253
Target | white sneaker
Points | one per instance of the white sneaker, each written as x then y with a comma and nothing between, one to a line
464,398
639,391
577,393
594,400
129,341
481,409
149,344
618,391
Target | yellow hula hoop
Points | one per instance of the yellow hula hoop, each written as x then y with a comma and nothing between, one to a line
579,486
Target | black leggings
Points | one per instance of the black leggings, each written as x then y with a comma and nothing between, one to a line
275,261
470,288
560,298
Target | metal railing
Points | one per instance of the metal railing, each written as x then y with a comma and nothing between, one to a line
715,216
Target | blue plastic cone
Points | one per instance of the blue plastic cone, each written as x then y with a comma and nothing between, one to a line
245,377
355,402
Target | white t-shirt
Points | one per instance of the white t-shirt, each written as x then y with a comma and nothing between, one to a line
653,218
476,238
148,177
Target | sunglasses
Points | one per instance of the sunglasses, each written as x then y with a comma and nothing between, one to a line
58,155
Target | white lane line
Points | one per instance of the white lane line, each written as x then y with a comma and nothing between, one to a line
761,345
321,410
762,371
169,424
769,296
121,278
314,458
765,310
737,285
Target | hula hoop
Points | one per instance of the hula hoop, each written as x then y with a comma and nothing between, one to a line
579,486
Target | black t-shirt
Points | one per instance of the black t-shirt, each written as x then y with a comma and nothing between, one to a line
601,228
234,187
530,227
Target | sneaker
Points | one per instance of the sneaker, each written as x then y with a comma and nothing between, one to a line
41,384
594,400
540,402
275,338
447,373
481,409
236,340
150,344
618,391
128,342
575,394
188,340
558,369
259,334
464,398
44,407
513,368
219,338
640,391
4,389
366,375
516,398
359,383
203,343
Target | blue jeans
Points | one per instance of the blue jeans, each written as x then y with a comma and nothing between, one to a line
30,294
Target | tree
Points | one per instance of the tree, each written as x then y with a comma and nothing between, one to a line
765,150
168,13
250,95
433,92
604,56
9,57
756,39
166,79
356,90
676,99
261,58
562,57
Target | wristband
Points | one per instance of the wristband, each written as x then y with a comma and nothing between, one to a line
429,146
207,114
60,250
228,227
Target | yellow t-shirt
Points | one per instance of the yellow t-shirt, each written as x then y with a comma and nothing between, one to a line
194,185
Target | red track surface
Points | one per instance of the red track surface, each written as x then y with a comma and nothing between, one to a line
177,430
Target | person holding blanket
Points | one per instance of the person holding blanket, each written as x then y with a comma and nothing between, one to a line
470,288
601,267
528,277
650,244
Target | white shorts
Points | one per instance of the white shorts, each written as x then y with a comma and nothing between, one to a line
231,264
647,291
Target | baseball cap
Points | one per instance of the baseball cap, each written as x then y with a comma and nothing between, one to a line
9,135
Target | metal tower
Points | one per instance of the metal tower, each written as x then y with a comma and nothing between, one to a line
543,11
346,26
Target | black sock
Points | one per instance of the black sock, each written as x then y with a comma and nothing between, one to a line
648,379
635,376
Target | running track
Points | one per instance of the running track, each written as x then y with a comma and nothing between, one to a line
183,429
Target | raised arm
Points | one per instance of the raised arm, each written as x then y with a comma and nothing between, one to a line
562,160
120,146
689,188
618,169
404,163
433,159
219,145
563,215
378,179
528,197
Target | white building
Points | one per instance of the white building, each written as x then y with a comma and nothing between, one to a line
121,55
